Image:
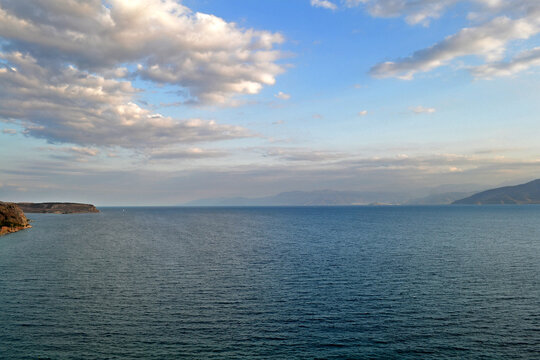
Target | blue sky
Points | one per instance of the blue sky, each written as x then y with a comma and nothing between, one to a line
161,102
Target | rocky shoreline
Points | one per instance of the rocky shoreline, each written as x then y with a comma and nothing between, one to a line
12,218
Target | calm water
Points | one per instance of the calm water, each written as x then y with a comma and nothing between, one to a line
274,283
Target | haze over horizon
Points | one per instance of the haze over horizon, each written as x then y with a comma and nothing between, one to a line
163,102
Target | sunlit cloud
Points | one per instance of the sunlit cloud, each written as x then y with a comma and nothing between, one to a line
324,4
423,110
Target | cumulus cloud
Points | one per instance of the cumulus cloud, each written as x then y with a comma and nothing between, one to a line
500,22
324,4
211,59
487,40
363,113
423,110
507,21
73,106
521,62
282,96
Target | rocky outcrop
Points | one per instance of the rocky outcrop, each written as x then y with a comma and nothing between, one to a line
57,208
12,218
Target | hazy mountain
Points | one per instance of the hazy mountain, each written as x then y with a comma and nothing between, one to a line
307,198
439,199
528,193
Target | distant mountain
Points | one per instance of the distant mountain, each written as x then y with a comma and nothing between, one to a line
307,198
439,199
528,193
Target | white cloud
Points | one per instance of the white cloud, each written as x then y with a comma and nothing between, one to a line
210,59
423,110
282,96
487,40
414,11
324,4
9,131
363,113
499,23
72,106
523,61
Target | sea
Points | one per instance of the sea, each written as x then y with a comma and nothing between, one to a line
389,282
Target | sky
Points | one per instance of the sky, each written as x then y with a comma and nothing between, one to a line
159,102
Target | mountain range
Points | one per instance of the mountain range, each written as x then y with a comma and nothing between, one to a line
306,198
333,198
528,193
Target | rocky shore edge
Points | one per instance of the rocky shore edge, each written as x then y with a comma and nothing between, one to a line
12,218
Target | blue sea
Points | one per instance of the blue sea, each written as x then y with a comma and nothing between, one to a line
449,282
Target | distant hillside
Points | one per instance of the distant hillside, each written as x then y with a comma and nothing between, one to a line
528,193
306,198
438,199
57,208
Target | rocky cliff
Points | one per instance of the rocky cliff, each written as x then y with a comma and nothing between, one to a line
57,208
12,218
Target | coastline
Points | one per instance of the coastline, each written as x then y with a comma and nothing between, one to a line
4,230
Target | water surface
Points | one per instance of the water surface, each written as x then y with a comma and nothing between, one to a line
274,283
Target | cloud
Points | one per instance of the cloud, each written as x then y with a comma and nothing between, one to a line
192,153
159,186
324,4
420,11
521,62
72,153
9,131
68,105
423,110
279,122
302,155
363,113
210,59
83,151
415,11
500,22
487,40
282,96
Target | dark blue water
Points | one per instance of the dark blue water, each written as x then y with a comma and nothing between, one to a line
274,283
